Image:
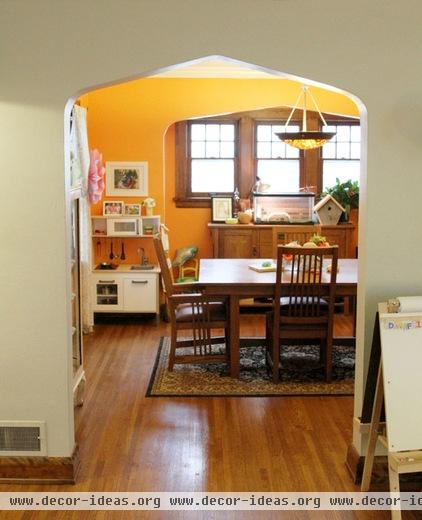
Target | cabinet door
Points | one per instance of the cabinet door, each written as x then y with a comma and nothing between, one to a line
75,285
107,293
286,234
140,293
265,243
337,237
75,275
238,243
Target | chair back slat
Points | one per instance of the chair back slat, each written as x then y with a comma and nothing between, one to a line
165,266
201,327
303,282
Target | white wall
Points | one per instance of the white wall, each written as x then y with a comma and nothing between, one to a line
51,50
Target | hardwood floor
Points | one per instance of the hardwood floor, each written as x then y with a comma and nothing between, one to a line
132,443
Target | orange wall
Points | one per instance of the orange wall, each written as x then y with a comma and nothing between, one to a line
132,122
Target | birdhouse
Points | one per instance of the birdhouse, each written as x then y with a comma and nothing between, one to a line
328,211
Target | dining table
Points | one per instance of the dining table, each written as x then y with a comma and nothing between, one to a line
236,279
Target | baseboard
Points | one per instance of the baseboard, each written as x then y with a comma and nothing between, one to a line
39,470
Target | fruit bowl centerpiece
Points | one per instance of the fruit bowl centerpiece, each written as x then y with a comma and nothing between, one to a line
314,242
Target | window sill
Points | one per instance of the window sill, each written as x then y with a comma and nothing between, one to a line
194,202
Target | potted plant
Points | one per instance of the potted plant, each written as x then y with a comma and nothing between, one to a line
345,193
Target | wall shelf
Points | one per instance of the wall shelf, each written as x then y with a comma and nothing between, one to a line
108,226
122,236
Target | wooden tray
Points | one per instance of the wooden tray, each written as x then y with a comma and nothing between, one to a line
260,269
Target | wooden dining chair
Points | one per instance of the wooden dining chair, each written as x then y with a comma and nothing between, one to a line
303,305
195,312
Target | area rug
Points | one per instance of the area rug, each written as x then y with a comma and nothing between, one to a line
301,374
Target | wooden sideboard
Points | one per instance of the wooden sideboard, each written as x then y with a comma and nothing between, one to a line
260,241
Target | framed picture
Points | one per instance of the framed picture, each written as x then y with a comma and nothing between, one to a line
132,209
221,208
127,179
113,207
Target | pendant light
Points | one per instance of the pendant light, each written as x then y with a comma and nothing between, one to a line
306,139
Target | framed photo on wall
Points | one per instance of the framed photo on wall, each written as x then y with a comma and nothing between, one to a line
132,209
221,208
127,179
113,207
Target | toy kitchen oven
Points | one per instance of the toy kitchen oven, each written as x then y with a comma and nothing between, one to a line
283,208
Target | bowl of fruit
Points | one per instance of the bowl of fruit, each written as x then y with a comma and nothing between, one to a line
314,242
318,241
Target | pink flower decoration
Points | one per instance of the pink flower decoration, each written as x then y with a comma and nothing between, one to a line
95,176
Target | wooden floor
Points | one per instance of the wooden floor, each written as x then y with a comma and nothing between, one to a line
132,443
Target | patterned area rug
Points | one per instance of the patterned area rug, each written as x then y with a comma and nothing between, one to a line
301,374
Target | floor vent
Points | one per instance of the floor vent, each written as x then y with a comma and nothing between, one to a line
22,438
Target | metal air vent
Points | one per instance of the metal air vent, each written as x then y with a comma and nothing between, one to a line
22,438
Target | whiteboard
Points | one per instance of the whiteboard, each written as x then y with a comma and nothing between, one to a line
401,351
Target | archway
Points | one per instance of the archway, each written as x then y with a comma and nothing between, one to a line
359,369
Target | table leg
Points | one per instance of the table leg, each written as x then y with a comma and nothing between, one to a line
352,310
234,336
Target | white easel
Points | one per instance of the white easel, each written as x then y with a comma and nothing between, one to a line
399,384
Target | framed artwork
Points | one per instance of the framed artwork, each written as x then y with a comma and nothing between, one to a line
127,179
132,209
221,208
113,207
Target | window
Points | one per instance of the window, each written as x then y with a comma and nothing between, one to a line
341,155
277,164
221,153
212,157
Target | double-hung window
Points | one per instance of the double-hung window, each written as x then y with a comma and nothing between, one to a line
220,154
212,157
341,155
277,164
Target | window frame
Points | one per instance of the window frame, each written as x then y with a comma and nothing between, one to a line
185,197
336,121
278,122
311,162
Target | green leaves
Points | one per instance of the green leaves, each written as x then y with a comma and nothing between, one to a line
345,193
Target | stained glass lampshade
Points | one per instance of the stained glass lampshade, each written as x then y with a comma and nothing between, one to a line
306,139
